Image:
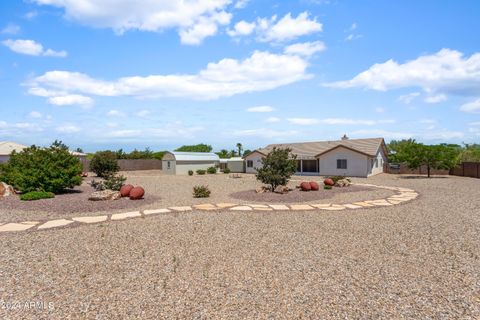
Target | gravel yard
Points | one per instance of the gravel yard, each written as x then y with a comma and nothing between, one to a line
417,260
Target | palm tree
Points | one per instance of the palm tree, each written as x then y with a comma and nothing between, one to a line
239,147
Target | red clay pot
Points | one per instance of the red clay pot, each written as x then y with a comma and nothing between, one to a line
314,186
328,182
125,190
137,193
305,186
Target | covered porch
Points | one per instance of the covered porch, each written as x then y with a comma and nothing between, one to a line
308,167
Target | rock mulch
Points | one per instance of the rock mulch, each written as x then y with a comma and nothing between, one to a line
402,195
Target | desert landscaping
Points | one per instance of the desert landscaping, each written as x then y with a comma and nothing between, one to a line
284,263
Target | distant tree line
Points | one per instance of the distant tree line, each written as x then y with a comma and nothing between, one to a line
440,156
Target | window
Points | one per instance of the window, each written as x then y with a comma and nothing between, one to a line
168,165
376,163
249,164
341,163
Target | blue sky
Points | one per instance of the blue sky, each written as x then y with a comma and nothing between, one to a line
130,74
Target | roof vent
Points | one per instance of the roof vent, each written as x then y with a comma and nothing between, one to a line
345,137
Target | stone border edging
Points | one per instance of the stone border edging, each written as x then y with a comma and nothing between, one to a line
402,195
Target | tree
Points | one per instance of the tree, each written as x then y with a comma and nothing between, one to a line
195,148
278,166
239,147
395,146
471,153
432,156
52,169
223,154
79,150
104,163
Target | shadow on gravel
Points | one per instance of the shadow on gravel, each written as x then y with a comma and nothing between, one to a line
424,177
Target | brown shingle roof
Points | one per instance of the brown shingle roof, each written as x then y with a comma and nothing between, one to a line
309,150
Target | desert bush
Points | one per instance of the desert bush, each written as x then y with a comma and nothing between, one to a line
278,166
336,178
201,171
327,187
36,195
104,163
111,182
212,170
190,172
201,192
226,171
51,169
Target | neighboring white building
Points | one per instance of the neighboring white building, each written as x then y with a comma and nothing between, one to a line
7,147
181,162
346,157
235,164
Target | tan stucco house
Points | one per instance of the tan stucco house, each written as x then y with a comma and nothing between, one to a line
345,157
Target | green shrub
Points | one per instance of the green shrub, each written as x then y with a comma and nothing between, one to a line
36,195
104,163
111,182
201,192
212,170
201,171
278,166
51,169
190,172
336,178
226,171
327,187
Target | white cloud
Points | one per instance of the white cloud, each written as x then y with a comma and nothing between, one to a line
265,133
303,121
408,98
203,28
274,30
261,109
382,133
70,99
116,113
380,110
435,98
242,28
474,123
260,72
35,114
19,128
446,71
11,28
240,4
68,129
305,49
30,47
176,130
471,107
272,120
143,113
337,121
195,19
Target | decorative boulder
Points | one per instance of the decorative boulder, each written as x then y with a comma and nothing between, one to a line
261,189
314,186
343,183
281,189
305,186
125,190
137,193
6,190
328,182
105,195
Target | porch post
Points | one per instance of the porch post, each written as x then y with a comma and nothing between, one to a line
301,167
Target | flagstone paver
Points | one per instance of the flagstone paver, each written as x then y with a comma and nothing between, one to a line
181,209
92,219
9,227
298,207
121,216
54,224
241,208
402,195
279,207
156,211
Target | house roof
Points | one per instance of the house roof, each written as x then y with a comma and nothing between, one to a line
6,147
195,156
311,150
